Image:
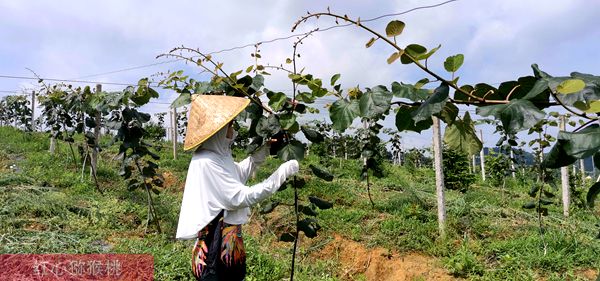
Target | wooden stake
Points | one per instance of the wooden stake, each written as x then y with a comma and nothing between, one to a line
482,156
439,176
174,132
512,163
564,177
94,158
33,110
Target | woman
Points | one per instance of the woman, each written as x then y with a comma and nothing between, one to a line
216,200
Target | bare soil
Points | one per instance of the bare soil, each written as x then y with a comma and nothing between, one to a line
381,264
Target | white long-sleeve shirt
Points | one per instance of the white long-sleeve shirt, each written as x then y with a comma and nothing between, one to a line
215,182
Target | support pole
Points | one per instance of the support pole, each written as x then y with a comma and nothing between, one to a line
564,177
582,168
482,156
174,131
512,162
94,162
439,176
33,110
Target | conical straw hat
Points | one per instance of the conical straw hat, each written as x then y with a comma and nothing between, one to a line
208,115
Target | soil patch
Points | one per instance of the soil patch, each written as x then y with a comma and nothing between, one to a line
381,264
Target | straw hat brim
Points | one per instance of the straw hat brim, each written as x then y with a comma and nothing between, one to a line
208,115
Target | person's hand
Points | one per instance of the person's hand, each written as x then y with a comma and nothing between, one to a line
290,168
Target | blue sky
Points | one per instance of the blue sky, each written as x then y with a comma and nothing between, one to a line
500,40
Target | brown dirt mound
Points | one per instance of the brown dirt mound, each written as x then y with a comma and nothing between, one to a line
380,264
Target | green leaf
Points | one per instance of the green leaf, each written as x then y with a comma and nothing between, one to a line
453,63
276,100
370,42
572,146
334,78
320,203
394,28
393,57
342,112
181,100
321,173
539,87
257,82
596,160
538,73
592,194
449,113
287,120
461,136
517,115
529,205
268,126
375,102
287,237
404,120
422,83
408,91
309,226
594,107
533,191
433,105
414,51
312,135
307,210
293,150
570,86
428,54
583,98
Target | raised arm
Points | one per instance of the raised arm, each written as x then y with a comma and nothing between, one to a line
231,194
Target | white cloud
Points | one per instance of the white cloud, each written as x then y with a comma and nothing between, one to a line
500,38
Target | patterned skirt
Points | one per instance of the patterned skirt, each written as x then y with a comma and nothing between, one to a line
219,252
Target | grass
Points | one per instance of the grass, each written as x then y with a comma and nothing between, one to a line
48,206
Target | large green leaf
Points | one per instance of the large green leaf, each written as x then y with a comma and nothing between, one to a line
433,105
449,113
539,87
268,126
322,204
596,160
461,136
570,86
592,194
415,51
342,112
517,115
181,100
321,173
538,73
287,120
293,150
312,135
404,120
580,99
309,226
394,28
428,54
572,146
408,91
453,63
375,102
276,100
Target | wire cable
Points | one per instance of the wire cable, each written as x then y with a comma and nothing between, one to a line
270,40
